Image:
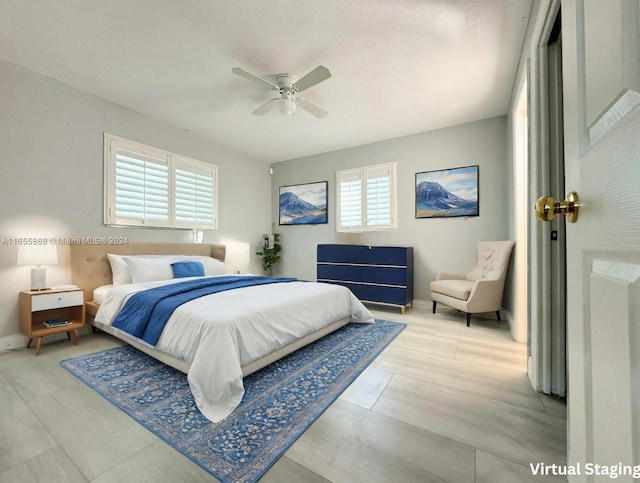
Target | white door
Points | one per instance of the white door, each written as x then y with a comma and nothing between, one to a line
601,69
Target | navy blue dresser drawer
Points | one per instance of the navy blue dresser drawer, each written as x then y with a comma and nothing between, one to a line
363,273
363,254
379,293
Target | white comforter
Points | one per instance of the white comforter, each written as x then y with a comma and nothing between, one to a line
219,333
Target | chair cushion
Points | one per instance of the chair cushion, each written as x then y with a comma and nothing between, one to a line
458,289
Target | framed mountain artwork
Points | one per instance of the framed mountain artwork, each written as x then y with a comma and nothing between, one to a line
303,204
447,192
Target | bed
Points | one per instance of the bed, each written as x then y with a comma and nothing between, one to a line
215,339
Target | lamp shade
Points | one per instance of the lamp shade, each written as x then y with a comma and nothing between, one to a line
37,255
237,257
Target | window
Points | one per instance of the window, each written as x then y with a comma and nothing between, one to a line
146,186
366,198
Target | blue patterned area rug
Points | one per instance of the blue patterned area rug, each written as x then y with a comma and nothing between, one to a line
281,401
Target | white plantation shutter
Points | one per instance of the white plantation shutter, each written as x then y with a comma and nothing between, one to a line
195,194
142,189
349,200
379,196
366,198
146,186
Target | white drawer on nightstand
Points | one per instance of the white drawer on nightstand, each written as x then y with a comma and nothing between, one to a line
56,300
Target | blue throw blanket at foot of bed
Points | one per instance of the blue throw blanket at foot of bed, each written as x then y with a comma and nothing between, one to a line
145,313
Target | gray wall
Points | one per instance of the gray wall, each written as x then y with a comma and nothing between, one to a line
439,244
51,176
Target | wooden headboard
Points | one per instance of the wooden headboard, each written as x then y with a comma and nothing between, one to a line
90,266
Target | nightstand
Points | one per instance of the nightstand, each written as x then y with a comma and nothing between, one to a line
38,306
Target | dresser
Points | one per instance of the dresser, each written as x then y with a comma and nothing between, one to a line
377,274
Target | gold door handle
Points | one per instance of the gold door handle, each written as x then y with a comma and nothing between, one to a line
547,208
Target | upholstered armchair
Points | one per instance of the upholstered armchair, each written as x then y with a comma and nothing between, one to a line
481,289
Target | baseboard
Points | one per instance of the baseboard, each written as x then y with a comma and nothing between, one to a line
509,318
422,304
13,342
19,341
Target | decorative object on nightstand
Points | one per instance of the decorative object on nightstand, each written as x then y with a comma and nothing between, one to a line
38,255
48,312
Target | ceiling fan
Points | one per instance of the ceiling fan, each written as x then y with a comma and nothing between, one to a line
288,88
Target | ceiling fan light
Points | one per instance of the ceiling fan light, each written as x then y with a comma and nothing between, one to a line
287,106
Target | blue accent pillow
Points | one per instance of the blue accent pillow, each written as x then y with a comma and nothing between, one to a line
187,269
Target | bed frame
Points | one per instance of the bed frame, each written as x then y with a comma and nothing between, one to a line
90,269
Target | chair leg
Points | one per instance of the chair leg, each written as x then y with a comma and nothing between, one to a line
498,315
468,319
434,307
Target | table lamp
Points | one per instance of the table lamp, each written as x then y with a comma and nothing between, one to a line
38,255
237,257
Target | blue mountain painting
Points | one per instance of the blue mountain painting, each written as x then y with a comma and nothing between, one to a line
434,200
296,211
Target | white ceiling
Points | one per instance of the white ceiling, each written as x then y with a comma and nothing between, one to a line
398,67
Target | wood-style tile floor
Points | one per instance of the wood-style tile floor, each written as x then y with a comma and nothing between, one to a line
443,402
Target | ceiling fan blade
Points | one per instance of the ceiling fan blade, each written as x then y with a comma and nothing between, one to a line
317,75
254,78
312,108
266,107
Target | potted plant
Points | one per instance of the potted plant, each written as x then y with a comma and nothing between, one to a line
269,252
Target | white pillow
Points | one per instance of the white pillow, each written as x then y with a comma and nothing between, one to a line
119,269
149,269
212,266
